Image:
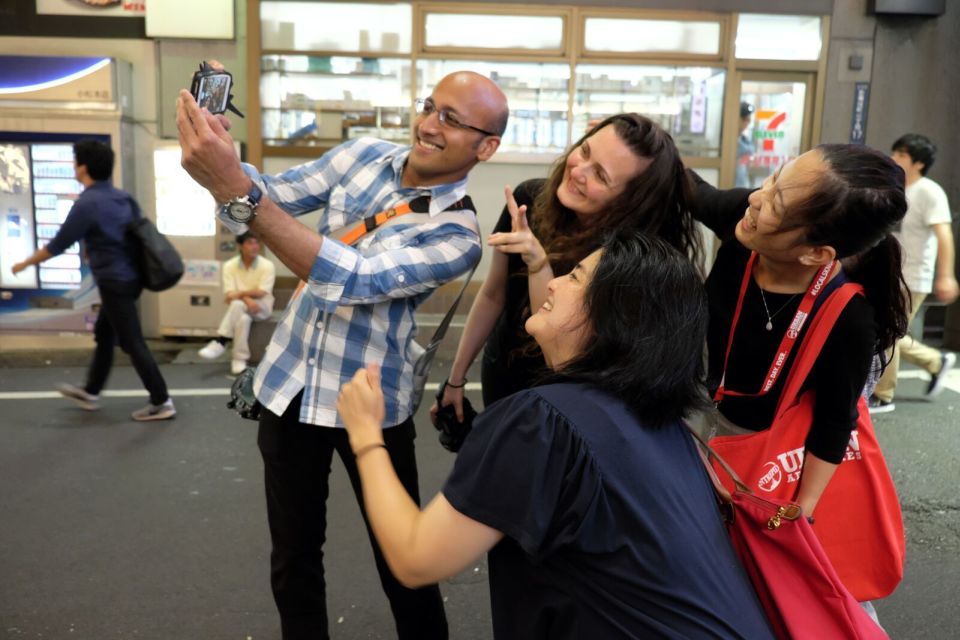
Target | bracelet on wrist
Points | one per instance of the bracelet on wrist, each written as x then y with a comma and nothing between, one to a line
367,449
456,386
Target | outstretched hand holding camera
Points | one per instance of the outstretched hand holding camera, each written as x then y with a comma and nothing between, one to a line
211,88
209,155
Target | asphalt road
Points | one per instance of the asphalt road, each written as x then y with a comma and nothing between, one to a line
113,529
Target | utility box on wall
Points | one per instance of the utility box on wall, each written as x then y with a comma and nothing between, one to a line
909,7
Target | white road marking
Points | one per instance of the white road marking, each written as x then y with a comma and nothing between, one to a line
952,382
174,393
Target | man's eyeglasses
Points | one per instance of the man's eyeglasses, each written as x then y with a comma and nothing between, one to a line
426,106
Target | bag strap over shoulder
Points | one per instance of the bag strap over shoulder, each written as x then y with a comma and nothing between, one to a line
441,330
820,328
706,452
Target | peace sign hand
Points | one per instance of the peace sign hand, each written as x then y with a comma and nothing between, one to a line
520,239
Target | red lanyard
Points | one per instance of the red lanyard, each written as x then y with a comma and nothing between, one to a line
789,338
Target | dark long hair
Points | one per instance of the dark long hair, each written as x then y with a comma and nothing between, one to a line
857,203
647,307
657,201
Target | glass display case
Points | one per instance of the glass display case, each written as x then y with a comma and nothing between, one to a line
312,100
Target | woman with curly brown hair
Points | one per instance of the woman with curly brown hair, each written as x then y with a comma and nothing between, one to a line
625,173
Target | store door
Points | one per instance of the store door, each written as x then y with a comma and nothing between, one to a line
776,112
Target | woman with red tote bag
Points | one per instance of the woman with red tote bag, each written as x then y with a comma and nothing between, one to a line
791,339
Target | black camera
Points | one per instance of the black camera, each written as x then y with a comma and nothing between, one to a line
242,399
211,89
452,431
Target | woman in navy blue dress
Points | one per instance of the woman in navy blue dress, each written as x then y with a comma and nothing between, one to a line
587,491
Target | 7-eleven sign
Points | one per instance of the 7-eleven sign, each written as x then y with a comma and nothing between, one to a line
770,136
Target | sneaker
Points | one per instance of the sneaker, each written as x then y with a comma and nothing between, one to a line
79,395
947,360
237,366
163,411
876,405
212,351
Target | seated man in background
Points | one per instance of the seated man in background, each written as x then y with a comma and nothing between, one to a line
248,290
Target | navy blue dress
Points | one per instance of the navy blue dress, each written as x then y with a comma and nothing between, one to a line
612,528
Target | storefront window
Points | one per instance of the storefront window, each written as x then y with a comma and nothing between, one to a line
621,35
686,101
772,134
464,30
336,26
772,37
538,94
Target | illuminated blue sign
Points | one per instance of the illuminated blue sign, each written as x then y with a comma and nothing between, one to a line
22,74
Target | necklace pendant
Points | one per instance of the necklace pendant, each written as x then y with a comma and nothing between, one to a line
769,326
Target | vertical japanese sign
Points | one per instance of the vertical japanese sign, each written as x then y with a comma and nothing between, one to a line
861,104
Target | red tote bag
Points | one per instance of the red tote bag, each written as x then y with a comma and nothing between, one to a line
795,582
858,518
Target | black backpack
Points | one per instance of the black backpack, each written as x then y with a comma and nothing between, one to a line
157,260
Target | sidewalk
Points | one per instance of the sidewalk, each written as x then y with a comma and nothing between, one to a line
75,349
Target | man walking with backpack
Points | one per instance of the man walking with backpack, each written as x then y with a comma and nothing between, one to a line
100,217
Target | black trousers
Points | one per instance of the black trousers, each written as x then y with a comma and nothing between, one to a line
119,322
296,459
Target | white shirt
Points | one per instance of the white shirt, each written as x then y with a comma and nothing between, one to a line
926,206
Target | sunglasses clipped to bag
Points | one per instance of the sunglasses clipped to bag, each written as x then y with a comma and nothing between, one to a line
452,431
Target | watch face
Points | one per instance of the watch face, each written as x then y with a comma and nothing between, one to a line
240,212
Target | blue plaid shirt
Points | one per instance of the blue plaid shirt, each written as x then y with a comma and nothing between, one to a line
359,302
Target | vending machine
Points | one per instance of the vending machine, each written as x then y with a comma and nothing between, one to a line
47,104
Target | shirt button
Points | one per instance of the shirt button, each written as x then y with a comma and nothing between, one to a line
312,361
401,278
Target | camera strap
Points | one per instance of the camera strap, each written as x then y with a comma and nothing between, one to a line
417,205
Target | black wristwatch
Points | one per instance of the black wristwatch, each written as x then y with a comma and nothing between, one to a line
242,209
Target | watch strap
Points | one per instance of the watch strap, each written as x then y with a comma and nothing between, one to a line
255,194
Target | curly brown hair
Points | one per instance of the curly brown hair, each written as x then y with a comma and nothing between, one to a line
656,201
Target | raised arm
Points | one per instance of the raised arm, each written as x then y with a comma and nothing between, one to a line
486,309
719,210
521,240
421,547
209,157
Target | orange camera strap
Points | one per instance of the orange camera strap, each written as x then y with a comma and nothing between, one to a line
417,205
371,223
